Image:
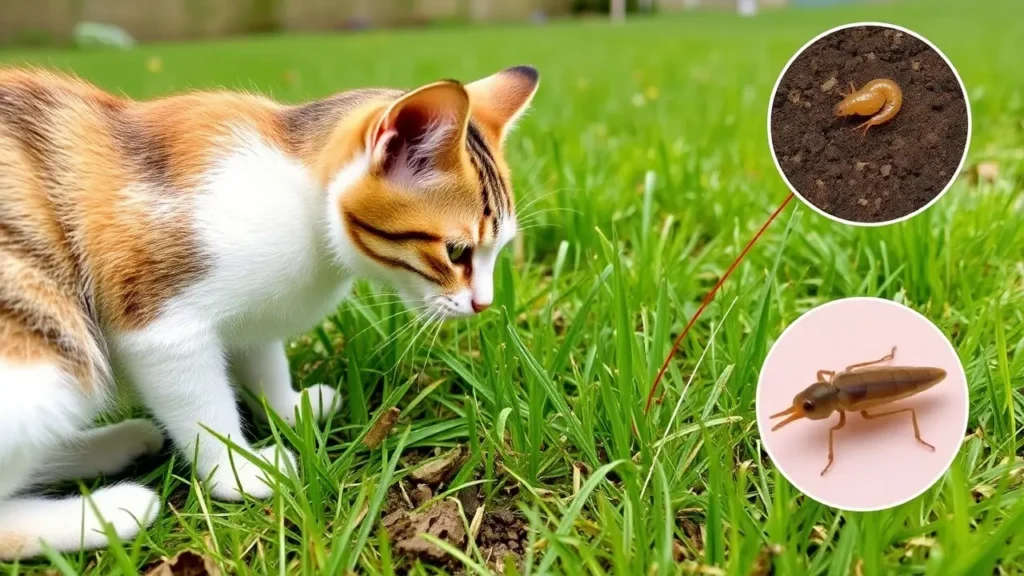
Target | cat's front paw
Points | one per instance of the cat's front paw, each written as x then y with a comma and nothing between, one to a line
323,399
233,483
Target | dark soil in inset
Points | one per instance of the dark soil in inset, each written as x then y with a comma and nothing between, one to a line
897,167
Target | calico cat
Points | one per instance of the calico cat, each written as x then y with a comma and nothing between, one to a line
181,239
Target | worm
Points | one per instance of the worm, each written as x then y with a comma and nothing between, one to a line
881,97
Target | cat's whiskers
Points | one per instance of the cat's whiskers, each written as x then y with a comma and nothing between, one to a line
405,328
430,349
534,200
380,321
533,215
540,197
436,312
540,225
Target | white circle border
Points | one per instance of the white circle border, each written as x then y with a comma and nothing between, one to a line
952,350
967,142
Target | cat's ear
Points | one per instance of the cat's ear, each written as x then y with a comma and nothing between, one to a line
499,100
421,133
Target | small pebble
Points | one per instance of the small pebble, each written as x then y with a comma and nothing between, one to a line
794,96
860,166
829,84
863,202
916,64
886,169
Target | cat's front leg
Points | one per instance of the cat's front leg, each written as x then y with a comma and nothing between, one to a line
263,370
183,379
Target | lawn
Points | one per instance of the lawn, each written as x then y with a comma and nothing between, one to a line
641,173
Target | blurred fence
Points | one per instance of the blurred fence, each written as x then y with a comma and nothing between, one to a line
52,21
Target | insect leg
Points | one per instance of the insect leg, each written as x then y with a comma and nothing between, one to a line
913,418
864,128
842,422
823,373
885,358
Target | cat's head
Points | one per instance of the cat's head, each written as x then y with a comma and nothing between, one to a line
428,206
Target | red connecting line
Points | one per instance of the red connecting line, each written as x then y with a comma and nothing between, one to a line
708,299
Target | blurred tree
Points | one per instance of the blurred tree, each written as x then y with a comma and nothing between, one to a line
264,16
601,6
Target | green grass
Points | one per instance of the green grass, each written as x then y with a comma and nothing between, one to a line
641,172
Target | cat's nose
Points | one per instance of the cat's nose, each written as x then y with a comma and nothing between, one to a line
479,306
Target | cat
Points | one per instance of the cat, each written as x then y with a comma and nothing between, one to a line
179,241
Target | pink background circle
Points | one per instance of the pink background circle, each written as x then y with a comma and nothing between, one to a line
878,463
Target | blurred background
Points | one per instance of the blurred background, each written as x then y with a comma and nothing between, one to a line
644,161
49,22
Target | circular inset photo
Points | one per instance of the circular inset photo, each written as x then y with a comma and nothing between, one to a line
862,404
869,124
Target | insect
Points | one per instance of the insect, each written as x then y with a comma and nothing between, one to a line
858,388
881,97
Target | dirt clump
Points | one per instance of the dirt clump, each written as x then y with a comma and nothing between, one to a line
440,469
501,535
442,520
503,538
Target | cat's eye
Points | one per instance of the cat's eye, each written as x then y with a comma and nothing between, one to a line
457,252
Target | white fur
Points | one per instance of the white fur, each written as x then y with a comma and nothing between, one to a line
43,437
69,524
261,221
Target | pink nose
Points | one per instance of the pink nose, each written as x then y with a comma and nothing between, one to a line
480,306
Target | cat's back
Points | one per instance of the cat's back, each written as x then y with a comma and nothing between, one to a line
42,110
52,133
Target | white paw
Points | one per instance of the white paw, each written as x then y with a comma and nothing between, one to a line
323,399
113,448
246,478
126,507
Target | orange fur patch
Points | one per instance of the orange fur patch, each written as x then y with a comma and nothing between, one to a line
12,544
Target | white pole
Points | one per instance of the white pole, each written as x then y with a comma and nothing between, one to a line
618,11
